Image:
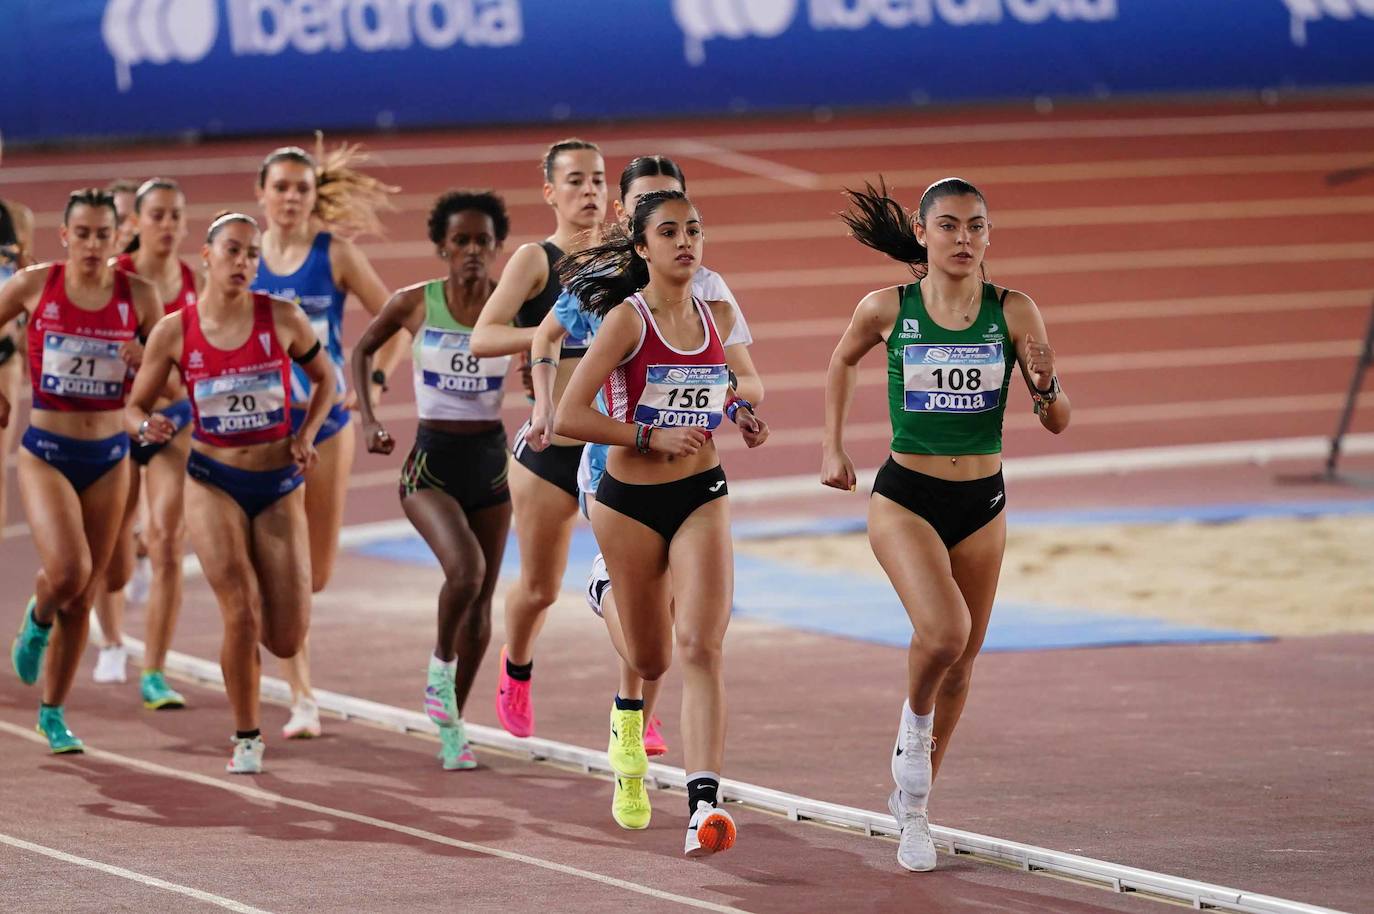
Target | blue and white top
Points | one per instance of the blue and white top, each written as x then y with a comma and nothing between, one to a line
707,285
312,287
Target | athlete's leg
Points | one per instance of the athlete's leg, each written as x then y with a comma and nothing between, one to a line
326,488
101,503
703,578
280,546
918,565
976,563
443,525
165,536
109,600
218,530
637,561
11,382
544,516
491,527
631,684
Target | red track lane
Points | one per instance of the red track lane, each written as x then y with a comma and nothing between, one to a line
1110,753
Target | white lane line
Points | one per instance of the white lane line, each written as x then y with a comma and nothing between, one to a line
748,164
799,137
227,903
433,837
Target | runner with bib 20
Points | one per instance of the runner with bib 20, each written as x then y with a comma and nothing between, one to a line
935,520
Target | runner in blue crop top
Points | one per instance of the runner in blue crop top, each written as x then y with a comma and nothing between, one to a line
303,198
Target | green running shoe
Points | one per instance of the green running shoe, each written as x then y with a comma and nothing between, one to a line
157,694
441,704
455,752
29,646
630,804
53,725
626,747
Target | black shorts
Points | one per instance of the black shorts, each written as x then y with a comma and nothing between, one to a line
470,469
955,509
665,506
556,463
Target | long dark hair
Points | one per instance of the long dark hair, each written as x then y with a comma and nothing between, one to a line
604,276
878,221
650,166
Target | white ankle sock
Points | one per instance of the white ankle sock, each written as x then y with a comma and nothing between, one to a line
923,722
450,665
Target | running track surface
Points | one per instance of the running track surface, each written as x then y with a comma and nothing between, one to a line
1203,283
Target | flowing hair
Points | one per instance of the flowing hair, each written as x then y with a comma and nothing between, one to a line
878,221
603,276
347,200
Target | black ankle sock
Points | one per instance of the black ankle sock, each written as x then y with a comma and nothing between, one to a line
629,704
519,671
247,734
701,788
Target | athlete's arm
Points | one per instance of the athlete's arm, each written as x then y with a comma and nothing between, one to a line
404,311
357,276
873,320
521,280
297,338
575,416
1035,356
162,352
23,230
548,340
21,291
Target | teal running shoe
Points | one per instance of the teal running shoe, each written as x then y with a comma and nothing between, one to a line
29,646
441,704
157,695
53,725
455,752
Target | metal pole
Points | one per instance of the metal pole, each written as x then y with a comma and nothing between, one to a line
1348,414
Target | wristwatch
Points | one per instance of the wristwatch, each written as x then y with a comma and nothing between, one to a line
1044,398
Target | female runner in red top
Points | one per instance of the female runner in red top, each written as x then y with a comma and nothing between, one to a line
245,509
85,321
661,516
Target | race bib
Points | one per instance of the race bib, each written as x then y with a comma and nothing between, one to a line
320,324
691,396
952,378
240,403
79,366
448,365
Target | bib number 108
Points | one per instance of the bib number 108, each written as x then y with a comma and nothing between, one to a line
958,378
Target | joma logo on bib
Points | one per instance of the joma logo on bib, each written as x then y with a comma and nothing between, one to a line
954,403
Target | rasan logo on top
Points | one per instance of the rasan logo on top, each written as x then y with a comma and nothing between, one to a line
703,20
160,31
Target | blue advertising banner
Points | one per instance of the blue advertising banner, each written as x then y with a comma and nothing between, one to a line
161,67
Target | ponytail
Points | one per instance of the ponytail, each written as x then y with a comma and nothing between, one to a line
881,223
603,276
346,200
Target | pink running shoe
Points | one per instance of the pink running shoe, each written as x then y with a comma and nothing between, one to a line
653,738
513,706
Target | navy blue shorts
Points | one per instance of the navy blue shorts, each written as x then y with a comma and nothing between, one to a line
254,490
333,423
80,460
180,414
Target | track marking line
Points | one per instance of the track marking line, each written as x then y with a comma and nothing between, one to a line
797,137
748,164
226,903
434,837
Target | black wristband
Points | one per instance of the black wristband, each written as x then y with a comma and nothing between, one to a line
309,354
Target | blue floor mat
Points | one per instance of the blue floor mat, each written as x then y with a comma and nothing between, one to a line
865,608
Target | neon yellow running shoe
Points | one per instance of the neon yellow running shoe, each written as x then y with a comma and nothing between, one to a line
630,806
626,748
157,694
53,725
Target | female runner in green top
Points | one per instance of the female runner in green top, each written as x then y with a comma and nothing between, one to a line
935,520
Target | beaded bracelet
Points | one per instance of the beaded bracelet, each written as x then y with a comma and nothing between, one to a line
642,435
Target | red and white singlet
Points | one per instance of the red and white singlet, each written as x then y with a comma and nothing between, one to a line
74,362
238,396
187,295
665,387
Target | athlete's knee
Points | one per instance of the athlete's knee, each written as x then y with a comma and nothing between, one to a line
701,651
944,645
542,593
284,641
463,582
650,663
68,581
165,545
240,622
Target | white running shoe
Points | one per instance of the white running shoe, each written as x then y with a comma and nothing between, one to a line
247,758
140,582
110,666
598,582
916,849
911,763
304,722
710,831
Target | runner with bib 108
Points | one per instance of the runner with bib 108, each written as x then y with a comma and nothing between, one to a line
935,519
